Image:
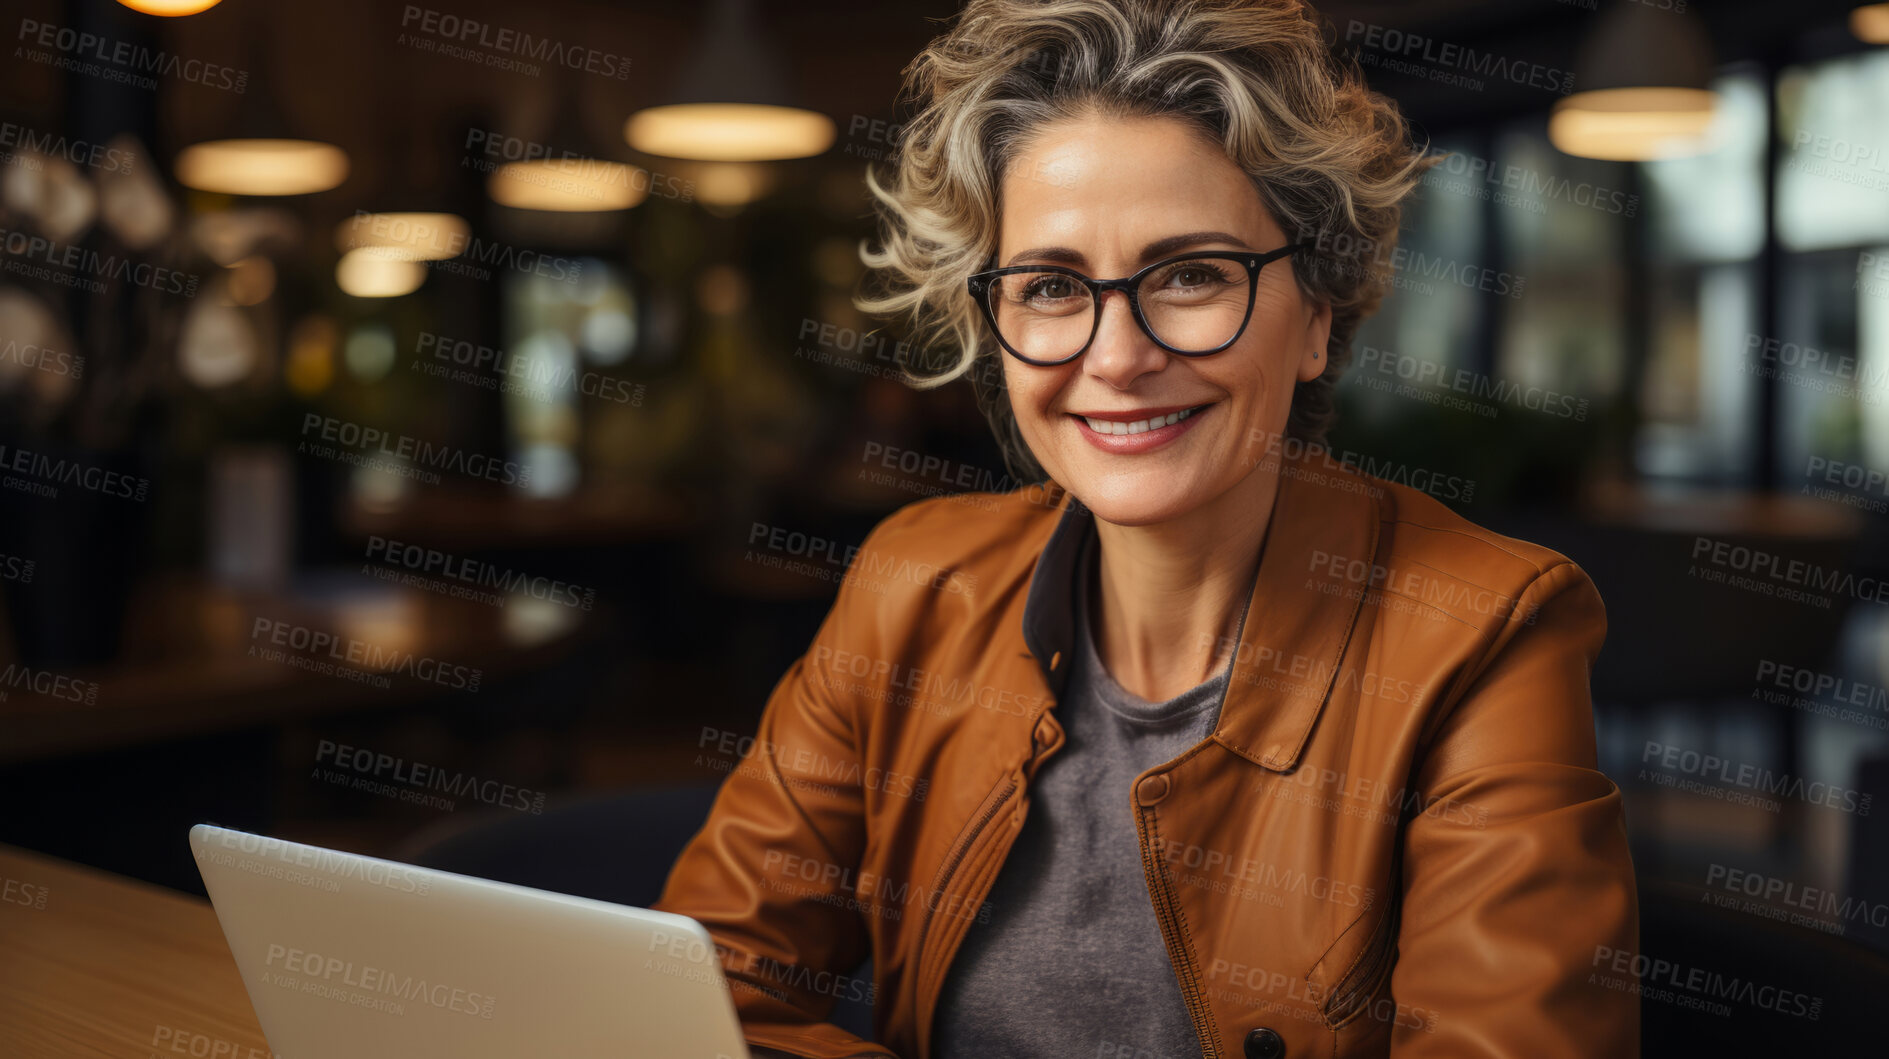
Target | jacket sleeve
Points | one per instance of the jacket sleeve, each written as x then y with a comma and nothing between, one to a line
1517,880
768,875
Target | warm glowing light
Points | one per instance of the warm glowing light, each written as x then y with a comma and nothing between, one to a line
1870,23
218,346
1633,124
311,364
367,274
170,8
731,183
52,191
389,621
729,132
405,236
722,289
569,185
132,200
262,167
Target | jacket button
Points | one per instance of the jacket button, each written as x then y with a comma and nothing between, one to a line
1263,1043
1152,789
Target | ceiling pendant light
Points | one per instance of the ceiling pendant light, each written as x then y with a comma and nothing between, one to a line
364,273
572,185
170,8
1643,89
732,103
262,166
571,177
405,236
260,160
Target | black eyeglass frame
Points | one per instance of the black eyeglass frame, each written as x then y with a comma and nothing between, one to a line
979,286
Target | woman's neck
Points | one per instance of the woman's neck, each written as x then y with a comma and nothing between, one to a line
1169,595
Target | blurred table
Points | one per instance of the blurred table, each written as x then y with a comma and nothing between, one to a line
194,661
475,519
1687,509
99,965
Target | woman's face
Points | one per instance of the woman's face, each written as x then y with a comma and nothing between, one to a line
1094,195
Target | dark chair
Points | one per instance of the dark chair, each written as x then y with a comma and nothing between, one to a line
1725,945
617,848
1673,636
1869,855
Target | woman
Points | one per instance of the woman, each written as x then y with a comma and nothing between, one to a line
1208,744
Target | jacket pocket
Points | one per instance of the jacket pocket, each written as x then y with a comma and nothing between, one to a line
1352,995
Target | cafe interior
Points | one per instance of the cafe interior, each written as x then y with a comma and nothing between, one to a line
496,336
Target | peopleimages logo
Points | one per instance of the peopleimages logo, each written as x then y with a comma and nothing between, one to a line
1303,674
680,956
1713,769
377,766
455,30
1776,575
1528,189
1812,899
848,562
814,766
454,250
203,1046
20,892
39,358
862,891
471,572
1653,973
78,152
424,456
326,648
1222,872
938,694
1445,56
119,60
43,682
1473,385
1823,694
71,265
374,983
461,360
331,866
1410,582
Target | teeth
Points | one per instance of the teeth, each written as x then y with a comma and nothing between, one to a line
1139,426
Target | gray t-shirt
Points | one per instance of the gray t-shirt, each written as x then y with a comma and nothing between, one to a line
1071,961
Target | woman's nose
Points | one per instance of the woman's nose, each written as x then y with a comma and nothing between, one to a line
1122,350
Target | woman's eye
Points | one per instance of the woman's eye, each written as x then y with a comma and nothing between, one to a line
1195,276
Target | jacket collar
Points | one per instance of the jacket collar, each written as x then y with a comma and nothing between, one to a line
1292,635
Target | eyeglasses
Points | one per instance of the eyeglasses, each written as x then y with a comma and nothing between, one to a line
1194,305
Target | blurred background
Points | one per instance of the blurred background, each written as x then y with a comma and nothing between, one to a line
476,387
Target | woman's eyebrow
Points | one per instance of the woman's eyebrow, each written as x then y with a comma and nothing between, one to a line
1159,248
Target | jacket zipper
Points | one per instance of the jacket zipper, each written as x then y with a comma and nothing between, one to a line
986,812
1167,911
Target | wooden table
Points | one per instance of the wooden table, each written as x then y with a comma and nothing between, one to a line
93,964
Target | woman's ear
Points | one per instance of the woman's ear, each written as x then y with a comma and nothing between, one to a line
1317,336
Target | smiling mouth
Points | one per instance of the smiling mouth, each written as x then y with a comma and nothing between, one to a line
1138,426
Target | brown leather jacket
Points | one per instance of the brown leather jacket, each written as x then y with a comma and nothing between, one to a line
1394,843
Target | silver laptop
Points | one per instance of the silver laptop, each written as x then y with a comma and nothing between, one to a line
371,959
